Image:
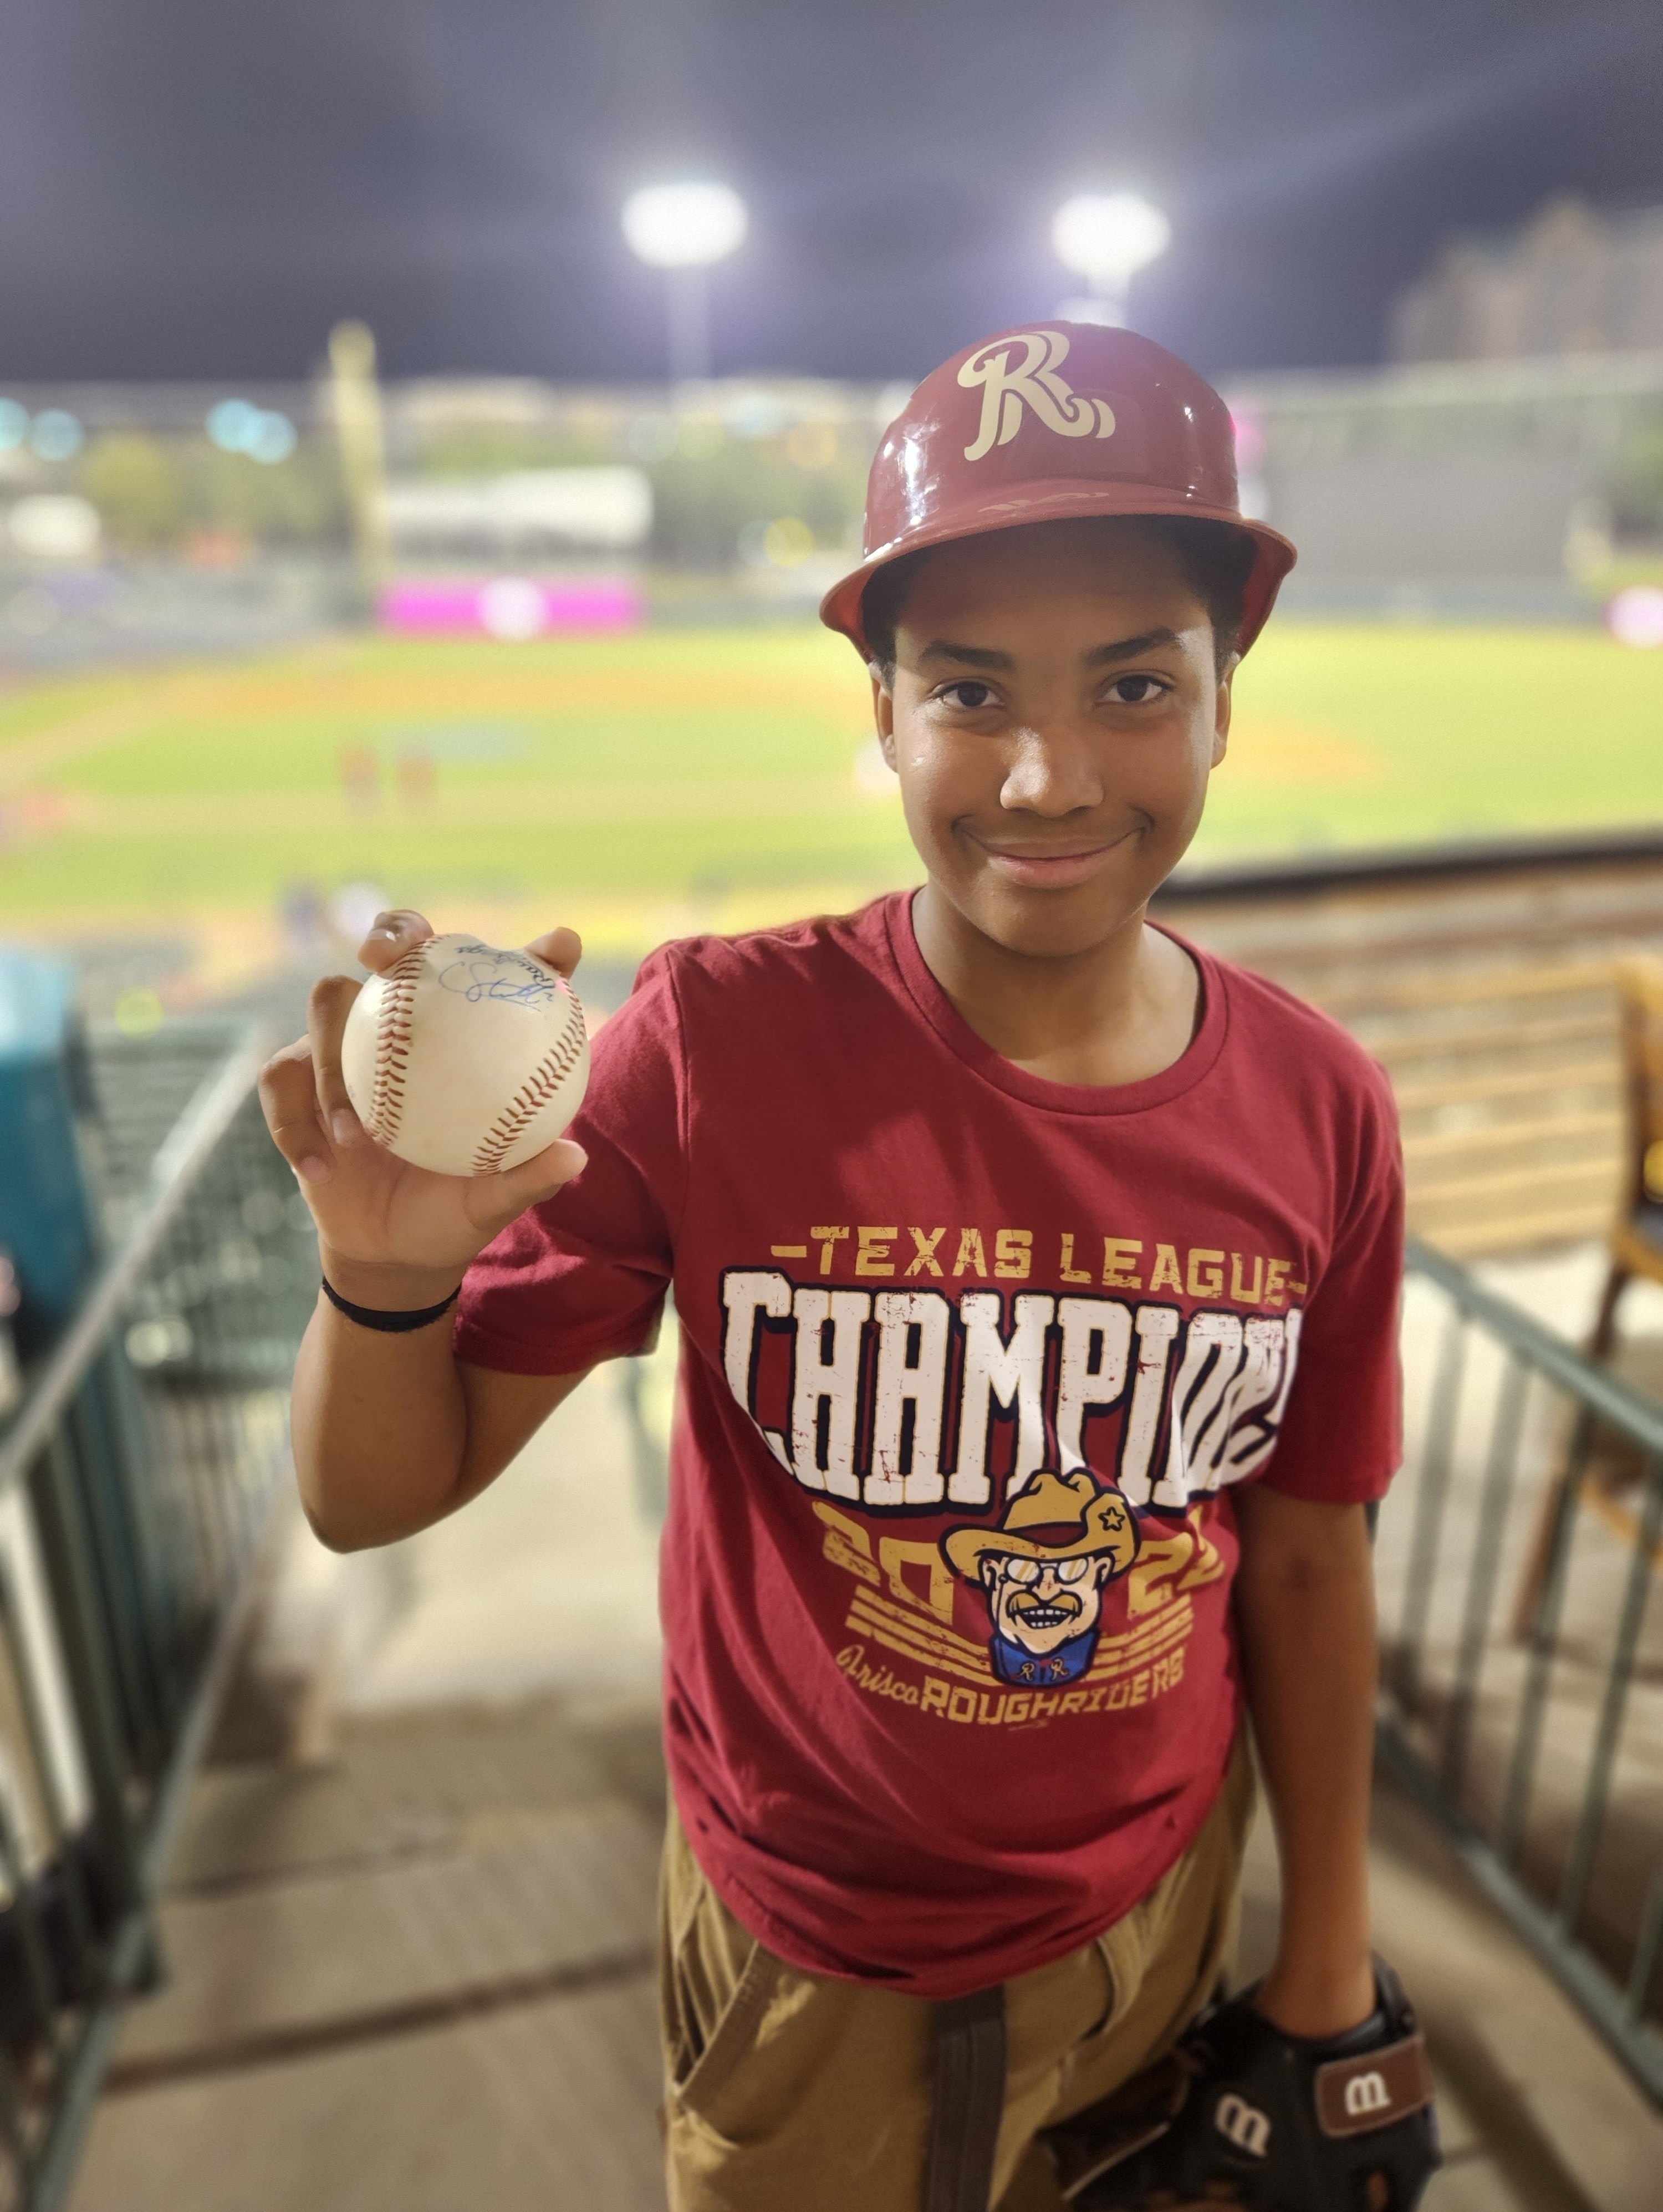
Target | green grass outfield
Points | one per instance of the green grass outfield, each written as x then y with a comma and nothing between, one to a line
720,766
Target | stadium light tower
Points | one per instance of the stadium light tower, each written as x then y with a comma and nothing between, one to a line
682,229
1106,238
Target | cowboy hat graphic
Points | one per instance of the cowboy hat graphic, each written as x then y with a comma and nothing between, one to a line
1044,1570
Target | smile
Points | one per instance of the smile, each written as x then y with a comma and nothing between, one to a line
1045,1616
1036,868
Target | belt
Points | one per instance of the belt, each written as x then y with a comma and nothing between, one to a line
968,2102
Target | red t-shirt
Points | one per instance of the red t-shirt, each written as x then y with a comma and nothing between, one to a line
970,1363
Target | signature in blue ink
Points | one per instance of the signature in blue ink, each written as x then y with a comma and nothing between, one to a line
481,973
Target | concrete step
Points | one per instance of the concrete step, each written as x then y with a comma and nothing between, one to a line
548,2105
414,1782
522,1903
419,1977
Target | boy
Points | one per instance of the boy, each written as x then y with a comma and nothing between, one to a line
1038,1276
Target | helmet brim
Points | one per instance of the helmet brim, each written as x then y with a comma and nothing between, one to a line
1061,500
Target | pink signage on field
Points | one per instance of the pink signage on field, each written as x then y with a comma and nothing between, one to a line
513,608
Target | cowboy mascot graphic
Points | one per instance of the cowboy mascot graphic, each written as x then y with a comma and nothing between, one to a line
1044,1569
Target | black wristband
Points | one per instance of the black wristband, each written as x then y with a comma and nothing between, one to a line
391,1323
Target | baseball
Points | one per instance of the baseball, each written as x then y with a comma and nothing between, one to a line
464,1059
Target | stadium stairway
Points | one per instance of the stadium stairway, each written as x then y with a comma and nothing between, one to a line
409,1930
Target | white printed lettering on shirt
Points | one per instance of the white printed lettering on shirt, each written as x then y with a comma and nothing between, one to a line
912,1372
1096,1335
826,1388
1009,1372
1156,1327
745,1294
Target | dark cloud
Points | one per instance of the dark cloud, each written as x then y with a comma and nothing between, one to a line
192,190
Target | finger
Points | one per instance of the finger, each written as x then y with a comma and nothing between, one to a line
496,1200
560,948
289,1099
392,936
326,1019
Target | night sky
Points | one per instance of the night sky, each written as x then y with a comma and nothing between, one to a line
190,188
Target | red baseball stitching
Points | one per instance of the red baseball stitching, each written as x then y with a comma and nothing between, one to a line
534,1094
392,1046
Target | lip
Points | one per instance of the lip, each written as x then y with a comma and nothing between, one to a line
1048,867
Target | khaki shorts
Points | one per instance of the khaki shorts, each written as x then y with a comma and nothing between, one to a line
789,2092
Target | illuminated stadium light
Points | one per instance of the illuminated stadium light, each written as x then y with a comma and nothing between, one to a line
682,229
1106,238
686,226
56,435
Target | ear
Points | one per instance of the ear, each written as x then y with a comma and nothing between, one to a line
1221,713
883,713
989,1569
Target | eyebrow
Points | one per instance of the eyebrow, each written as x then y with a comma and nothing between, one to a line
977,656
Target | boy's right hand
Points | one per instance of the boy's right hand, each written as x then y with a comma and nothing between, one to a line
391,1235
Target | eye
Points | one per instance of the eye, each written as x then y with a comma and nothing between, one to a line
1136,690
969,693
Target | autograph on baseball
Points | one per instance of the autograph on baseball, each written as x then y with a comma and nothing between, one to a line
506,977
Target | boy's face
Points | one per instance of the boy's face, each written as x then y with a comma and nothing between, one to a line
1055,714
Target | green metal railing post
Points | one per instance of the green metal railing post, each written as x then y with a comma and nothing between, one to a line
1543,1642
1429,1501
1485,1565
1618,1678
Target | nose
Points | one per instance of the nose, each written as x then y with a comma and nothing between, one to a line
1052,771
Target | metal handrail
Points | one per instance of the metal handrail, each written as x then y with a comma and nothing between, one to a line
194,1136
1640,1417
1438,1702
140,1471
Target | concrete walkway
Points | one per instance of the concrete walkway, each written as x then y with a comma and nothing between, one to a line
412,1968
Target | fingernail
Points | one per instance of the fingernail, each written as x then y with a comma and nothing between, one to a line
312,1169
345,1126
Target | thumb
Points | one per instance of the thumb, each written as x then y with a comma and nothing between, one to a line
503,1198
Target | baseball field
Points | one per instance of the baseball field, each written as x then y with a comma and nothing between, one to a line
681,778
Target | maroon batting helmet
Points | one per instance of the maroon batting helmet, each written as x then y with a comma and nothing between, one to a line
1004,434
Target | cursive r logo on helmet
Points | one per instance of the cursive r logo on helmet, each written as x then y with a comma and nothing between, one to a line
1006,389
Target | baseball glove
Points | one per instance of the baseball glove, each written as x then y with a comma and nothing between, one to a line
1243,2114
